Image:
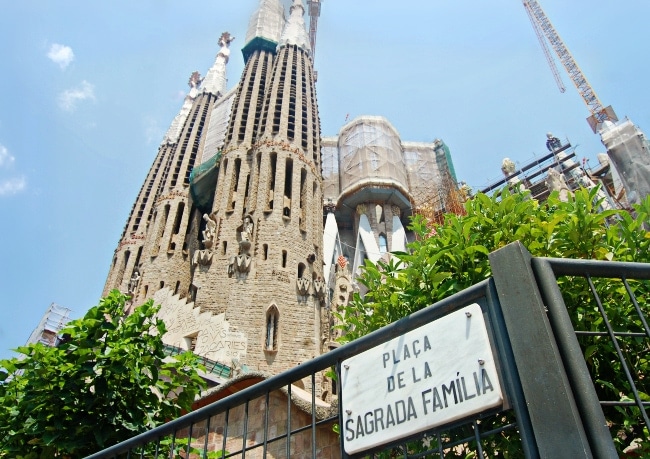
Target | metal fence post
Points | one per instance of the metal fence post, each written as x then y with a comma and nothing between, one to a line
556,422
577,371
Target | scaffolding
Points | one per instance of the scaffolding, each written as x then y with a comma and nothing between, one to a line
370,154
438,197
540,176
628,150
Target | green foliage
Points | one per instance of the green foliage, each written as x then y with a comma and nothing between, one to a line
108,381
177,448
453,256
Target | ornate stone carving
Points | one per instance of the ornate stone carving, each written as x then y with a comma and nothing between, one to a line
342,262
343,290
330,206
225,40
195,80
239,264
361,209
202,257
210,231
319,288
396,211
303,285
243,263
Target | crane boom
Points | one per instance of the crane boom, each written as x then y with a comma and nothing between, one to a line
547,52
599,114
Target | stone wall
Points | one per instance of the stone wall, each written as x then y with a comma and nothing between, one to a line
327,442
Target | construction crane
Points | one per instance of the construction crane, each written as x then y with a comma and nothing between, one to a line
543,27
314,12
547,52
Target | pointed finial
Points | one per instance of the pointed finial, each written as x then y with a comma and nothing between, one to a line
297,4
215,80
195,80
295,32
225,40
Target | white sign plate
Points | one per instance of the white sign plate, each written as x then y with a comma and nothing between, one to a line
436,374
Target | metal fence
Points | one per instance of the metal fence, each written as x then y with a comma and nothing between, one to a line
598,311
552,362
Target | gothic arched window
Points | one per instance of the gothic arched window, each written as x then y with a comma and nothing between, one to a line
272,323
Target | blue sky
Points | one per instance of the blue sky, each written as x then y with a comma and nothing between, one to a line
87,90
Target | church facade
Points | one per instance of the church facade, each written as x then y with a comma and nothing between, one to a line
251,227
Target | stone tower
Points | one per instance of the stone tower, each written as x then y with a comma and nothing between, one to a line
238,268
154,248
265,272
128,255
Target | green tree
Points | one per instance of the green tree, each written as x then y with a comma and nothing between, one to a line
108,381
450,257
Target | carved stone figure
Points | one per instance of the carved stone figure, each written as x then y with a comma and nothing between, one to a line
210,230
246,235
134,282
235,369
247,231
555,182
508,168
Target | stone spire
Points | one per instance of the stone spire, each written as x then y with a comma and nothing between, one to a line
295,32
215,81
175,128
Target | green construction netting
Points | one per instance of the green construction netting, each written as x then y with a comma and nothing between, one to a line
203,182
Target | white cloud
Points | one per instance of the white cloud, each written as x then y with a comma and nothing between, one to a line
11,185
5,158
68,99
61,55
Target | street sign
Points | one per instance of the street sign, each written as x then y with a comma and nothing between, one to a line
439,373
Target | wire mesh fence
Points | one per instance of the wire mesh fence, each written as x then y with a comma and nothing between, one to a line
607,305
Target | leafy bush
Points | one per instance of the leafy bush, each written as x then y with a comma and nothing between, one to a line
108,381
447,258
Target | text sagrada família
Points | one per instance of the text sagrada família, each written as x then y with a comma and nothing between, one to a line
441,372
